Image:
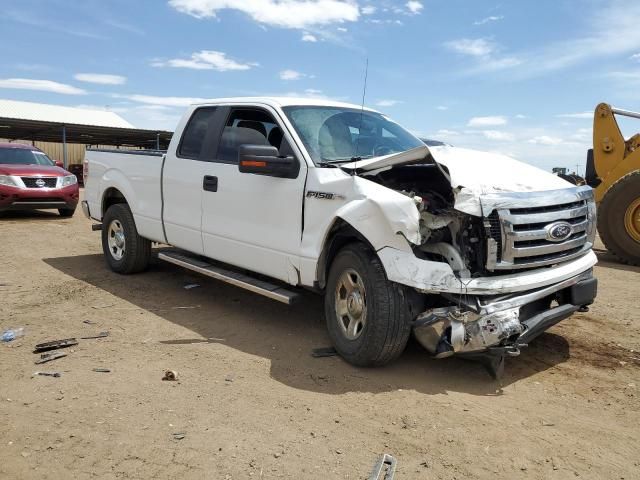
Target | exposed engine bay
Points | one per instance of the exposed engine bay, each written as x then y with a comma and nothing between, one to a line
446,234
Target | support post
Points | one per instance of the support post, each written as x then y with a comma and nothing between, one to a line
64,147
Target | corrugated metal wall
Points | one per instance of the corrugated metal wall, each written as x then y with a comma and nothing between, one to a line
75,151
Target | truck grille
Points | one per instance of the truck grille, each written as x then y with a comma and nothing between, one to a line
527,237
32,182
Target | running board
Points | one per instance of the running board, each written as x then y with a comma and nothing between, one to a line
267,289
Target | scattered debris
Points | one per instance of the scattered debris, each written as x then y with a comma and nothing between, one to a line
547,424
102,370
323,352
170,376
229,378
55,344
191,285
47,374
11,334
103,306
179,436
385,468
100,335
89,322
47,357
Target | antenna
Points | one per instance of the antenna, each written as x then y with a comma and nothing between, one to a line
364,94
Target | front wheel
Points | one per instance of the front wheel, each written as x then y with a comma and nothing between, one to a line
66,212
368,317
125,250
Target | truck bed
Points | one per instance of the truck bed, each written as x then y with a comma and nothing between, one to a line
138,175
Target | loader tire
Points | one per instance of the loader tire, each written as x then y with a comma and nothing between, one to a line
368,317
124,250
619,219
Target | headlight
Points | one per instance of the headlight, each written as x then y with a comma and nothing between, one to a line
7,180
68,180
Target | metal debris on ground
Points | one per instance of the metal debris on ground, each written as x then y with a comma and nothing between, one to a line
102,370
89,322
100,335
55,344
191,285
47,357
170,376
323,352
179,436
47,374
384,469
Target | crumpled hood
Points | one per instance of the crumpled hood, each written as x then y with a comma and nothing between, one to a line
32,170
485,172
472,173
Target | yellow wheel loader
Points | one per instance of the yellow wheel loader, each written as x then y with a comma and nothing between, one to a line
613,170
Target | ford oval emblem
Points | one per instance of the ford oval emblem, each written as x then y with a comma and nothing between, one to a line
40,183
558,231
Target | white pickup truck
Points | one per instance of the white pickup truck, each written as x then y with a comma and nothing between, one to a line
474,252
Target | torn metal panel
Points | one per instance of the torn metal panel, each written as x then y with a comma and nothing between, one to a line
431,277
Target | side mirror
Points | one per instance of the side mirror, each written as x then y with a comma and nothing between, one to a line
58,163
265,160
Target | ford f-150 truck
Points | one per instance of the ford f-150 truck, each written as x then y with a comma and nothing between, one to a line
474,252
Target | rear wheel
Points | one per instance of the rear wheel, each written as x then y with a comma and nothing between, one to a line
368,317
66,212
619,219
124,250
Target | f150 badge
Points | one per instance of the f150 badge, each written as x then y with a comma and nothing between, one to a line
324,195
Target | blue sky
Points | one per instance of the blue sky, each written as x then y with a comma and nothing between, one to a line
517,77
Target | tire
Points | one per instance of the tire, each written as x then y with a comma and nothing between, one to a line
380,334
619,239
126,253
66,212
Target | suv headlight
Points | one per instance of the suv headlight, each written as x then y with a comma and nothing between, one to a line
68,180
8,181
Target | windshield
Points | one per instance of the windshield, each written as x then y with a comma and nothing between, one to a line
23,156
335,134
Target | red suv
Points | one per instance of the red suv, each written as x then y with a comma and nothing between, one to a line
31,180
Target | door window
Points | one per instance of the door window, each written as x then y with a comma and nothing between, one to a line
250,126
193,138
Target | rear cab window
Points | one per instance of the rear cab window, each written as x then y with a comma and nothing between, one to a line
193,141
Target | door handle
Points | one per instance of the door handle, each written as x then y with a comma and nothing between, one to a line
210,183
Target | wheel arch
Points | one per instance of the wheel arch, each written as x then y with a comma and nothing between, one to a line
112,196
340,234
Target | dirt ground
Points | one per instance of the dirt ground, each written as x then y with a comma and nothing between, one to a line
251,402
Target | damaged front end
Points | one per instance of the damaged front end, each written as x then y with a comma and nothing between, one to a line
499,265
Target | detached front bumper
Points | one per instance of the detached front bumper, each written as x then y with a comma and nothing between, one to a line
16,198
501,324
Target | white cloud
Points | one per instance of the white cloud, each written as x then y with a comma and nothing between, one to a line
308,37
368,10
40,85
387,103
492,18
292,75
498,135
447,133
587,115
100,78
635,56
546,140
478,47
520,116
414,7
442,108
490,121
278,13
165,101
342,29
205,60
